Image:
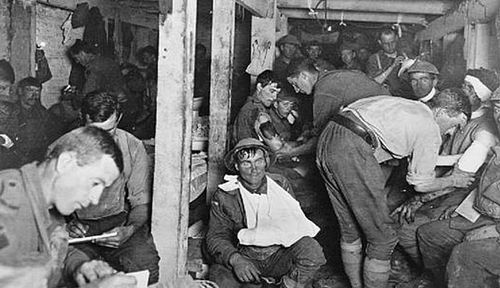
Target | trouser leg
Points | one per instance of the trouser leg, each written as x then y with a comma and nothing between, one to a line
359,181
426,214
136,254
297,264
223,276
436,241
474,264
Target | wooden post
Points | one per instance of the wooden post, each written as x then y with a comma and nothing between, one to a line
173,135
23,43
220,89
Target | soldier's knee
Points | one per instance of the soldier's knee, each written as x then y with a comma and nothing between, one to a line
310,249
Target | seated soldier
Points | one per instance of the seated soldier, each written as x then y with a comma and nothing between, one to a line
124,207
288,46
8,118
257,230
283,117
469,147
349,57
72,176
67,111
36,128
280,127
266,89
477,221
423,78
313,51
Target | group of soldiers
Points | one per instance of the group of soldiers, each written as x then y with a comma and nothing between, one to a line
416,169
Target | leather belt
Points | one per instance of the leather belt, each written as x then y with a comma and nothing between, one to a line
356,128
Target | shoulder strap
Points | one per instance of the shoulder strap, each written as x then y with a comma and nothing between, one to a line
378,61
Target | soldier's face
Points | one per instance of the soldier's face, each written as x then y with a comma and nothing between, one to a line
422,83
5,90
496,112
388,43
253,168
29,96
78,186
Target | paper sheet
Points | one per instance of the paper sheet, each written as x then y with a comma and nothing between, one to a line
466,209
141,277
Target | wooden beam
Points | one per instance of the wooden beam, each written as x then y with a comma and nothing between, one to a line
220,90
23,43
357,16
384,6
468,12
145,17
173,137
259,8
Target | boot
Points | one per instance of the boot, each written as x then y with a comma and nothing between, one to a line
376,273
352,258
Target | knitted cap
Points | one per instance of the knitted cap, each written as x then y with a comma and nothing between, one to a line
289,39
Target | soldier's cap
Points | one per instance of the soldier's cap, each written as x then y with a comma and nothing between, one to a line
230,159
349,46
290,39
423,66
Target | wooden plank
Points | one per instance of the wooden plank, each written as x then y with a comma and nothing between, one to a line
432,7
23,43
173,137
470,11
220,90
259,8
357,16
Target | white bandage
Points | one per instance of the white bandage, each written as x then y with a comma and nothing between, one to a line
483,92
8,142
473,157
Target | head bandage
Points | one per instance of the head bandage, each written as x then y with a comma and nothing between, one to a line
483,92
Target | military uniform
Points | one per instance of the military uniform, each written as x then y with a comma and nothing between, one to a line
29,235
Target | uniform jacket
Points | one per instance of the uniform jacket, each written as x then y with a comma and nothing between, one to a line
31,239
227,218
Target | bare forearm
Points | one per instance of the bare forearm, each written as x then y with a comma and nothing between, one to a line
435,185
433,195
306,148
